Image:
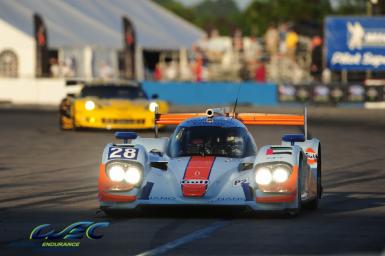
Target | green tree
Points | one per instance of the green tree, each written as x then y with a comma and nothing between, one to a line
261,13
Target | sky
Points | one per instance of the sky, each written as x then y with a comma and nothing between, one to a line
242,4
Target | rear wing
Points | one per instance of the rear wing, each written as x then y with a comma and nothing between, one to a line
245,118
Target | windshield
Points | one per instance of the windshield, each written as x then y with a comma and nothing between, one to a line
113,92
234,142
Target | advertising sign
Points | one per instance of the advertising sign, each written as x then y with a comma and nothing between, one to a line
355,43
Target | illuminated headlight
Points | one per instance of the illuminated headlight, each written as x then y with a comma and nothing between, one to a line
124,172
133,175
281,174
152,107
90,105
263,176
116,173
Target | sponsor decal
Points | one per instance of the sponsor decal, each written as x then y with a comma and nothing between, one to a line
163,198
50,237
355,43
239,181
230,199
359,37
311,156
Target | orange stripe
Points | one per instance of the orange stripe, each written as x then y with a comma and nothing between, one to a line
115,198
277,199
176,118
198,170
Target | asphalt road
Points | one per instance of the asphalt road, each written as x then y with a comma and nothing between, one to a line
50,176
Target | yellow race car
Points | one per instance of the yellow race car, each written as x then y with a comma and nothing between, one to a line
110,106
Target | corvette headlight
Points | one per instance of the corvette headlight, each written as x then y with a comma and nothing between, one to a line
263,176
281,173
116,173
133,175
152,107
89,105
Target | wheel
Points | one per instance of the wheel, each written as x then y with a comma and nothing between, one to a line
62,124
293,212
313,204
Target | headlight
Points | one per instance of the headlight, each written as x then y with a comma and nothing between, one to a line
90,105
152,107
263,176
133,175
281,174
116,173
119,172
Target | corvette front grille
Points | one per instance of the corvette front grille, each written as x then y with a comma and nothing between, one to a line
123,121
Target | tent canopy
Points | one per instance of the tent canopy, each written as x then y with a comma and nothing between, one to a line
98,23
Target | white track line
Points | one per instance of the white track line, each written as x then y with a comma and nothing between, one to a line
199,234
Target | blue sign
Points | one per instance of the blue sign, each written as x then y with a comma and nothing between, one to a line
355,43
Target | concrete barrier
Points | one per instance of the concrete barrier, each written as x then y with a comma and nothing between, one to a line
214,93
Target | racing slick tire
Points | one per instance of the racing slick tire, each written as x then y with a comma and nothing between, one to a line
313,204
293,212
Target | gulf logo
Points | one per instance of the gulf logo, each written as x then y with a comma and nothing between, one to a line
311,156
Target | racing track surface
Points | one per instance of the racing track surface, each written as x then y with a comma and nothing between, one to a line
49,176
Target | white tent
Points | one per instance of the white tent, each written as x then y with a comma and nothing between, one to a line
90,31
74,23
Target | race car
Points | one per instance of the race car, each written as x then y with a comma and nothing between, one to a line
112,105
211,159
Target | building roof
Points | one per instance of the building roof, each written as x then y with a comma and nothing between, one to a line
74,23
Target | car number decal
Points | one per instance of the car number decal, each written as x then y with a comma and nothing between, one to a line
125,153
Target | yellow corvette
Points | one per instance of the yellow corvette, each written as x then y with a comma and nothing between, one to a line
110,106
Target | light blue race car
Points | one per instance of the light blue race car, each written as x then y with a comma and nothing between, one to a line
211,159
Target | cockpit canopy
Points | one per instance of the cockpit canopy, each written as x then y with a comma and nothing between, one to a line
233,142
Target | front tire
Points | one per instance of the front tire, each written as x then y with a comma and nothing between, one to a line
293,212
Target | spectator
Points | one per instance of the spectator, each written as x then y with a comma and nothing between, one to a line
158,72
272,40
291,43
316,58
282,29
238,41
54,67
252,49
260,72
171,71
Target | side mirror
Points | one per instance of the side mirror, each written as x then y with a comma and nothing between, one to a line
245,166
160,165
154,96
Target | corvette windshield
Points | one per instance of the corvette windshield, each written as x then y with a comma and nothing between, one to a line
232,142
113,92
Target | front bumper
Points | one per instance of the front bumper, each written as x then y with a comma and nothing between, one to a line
262,202
114,120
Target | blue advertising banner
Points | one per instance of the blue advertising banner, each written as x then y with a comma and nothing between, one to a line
355,43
